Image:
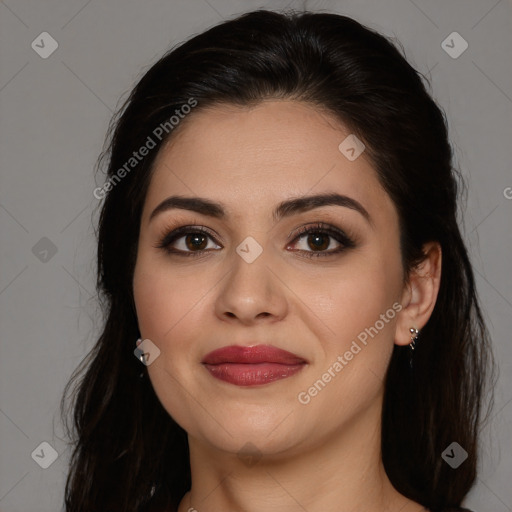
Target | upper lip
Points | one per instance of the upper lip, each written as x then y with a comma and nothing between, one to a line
252,355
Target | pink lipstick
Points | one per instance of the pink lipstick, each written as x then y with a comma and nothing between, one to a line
252,366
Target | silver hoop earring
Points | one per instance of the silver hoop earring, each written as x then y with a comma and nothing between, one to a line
414,338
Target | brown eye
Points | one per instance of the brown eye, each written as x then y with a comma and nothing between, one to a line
196,241
188,241
318,241
321,240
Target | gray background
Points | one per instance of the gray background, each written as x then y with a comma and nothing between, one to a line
55,113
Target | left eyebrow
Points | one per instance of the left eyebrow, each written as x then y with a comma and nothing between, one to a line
284,209
306,203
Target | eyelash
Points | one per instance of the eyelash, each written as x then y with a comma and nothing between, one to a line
319,228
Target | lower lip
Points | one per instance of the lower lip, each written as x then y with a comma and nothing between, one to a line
252,374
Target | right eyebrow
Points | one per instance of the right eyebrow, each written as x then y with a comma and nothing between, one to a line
195,204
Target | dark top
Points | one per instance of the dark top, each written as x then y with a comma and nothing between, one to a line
457,509
451,509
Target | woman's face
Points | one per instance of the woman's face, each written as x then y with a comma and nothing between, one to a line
329,298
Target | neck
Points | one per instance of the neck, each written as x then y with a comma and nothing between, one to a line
342,472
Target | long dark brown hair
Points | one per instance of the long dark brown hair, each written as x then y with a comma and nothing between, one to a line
129,454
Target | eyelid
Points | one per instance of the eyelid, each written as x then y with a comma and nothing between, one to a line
344,240
320,227
169,236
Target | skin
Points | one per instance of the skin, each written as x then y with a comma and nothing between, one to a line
323,455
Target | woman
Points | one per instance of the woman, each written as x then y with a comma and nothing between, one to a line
278,246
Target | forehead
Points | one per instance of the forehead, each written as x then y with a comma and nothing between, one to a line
251,157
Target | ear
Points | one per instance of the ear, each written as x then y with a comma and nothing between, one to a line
419,294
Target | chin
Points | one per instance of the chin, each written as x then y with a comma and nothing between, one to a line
252,442
267,431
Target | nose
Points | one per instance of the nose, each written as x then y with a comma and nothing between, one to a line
251,293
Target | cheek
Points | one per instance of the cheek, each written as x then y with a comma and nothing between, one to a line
358,308
156,302
168,309
164,302
353,298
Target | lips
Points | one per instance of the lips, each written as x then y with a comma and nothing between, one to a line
252,366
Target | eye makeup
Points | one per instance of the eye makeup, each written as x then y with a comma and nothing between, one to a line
313,232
